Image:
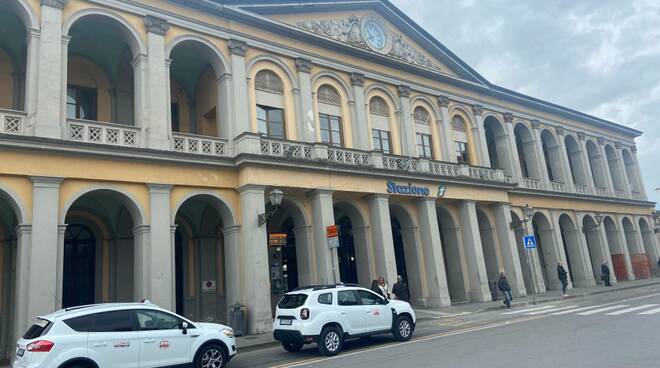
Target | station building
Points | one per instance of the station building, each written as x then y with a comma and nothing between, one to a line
195,152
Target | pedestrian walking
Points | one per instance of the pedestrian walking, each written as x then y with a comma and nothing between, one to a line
658,261
563,278
605,273
400,290
384,288
375,288
505,288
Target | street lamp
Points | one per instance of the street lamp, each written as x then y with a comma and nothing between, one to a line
599,219
275,197
528,212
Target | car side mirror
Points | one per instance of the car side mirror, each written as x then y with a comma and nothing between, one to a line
184,328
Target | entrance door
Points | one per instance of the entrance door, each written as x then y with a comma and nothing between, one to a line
399,251
346,252
79,266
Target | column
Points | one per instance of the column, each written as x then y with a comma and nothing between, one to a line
307,274
306,125
624,247
478,278
323,216
655,252
638,172
509,249
406,126
480,135
239,86
513,148
606,167
49,71
361,133
566,166
31,76
446,134
364,255
621,166
59,279
606,252
233,269
540,156
256,286
161,289
42,257
141,262
21,297
156,127
381,232
588,172
436,275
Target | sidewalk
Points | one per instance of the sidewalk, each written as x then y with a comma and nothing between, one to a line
255,342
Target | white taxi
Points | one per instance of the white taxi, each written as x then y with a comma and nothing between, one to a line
123,335
329,314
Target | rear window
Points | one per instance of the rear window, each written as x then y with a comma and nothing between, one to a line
291,301
39,328
80,324
325,298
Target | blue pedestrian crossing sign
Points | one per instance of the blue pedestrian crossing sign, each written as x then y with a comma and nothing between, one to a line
529,242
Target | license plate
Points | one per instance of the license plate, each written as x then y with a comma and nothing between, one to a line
285,322
20,352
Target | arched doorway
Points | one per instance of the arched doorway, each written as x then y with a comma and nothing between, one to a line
620,260
575,162
9,220
497,144
553,157
13,55
406,252
545,252
639,259
526,146
452,255
99,249
579,268
648,239
201,258
490,249
354,249
596,250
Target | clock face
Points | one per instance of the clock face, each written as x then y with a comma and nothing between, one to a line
375,35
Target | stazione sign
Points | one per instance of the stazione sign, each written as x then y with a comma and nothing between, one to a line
407,189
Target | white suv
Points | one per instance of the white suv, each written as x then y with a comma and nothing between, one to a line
123,335
330,314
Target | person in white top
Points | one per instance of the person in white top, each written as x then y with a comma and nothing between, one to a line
383,287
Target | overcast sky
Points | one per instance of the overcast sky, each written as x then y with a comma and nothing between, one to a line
601,57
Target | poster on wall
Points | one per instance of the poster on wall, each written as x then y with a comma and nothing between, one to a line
209,285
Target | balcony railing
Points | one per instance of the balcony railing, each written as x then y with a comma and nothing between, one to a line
348,157
558,186
581,189
12,122
530,183
283,148
103,133
201,145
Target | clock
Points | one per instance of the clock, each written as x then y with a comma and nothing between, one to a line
374,35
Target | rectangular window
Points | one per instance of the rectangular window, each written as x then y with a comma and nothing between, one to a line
270,121
292,301
331,130
424,146
115,321
175,117
347,297
325,298
81,103
381,140
462,155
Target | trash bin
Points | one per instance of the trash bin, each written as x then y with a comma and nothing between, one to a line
237,319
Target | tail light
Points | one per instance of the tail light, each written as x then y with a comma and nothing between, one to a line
304,313
41,346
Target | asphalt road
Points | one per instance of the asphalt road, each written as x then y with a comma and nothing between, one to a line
611,330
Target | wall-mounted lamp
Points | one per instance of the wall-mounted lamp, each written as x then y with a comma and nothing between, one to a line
528,212
599,219
275,197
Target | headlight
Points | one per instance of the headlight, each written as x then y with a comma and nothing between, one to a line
228,332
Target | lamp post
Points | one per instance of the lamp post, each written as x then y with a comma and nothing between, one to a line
528,212
275,197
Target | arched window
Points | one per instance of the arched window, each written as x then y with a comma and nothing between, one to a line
270,104
423,130
460,140
329,105
380,124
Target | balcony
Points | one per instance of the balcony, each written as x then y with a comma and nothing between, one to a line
200,145
103,133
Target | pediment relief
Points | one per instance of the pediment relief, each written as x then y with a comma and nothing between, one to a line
370,33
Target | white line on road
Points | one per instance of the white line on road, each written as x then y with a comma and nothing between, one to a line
652,311
550,310
575,310
628,310
599,310
529,309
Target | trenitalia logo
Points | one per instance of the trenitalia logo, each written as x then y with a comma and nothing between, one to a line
409,189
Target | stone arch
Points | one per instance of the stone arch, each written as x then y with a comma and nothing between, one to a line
596,249
577,258
460,111
12,249
649,242
452,254
290,83
527,153
615,167
407,252
131,35
630,170
359,239
491,251
378,123
553,156
330,112
575,161
638,256
15,203
253,68
545,256
620,258
325,75
222,205
210,51
426,128
386,93
596,164
136,210
25,13
497,143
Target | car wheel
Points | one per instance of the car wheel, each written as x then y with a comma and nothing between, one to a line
292,347
403,328
330,341
211,356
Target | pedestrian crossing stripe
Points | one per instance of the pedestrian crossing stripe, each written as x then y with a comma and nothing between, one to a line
609,310
652,311
530,309
600,310
574,310
628,310
550,310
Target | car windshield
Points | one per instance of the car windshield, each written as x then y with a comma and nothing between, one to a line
290,301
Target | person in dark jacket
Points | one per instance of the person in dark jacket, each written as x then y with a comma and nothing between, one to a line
400,290
375,288
605,273
563,277
505,288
